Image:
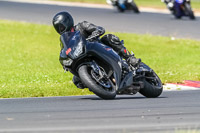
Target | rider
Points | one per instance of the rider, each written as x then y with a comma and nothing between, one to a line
122,4
63,22
177,7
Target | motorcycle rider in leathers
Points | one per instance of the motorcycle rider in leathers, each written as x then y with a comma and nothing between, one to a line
63,22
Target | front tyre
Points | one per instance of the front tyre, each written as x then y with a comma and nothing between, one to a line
120,9
85,74
152,85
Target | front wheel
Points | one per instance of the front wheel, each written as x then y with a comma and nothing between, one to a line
101,87
152,85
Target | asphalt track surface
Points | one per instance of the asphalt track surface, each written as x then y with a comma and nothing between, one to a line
171,112
143,23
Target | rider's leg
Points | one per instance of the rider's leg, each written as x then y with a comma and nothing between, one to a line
114,42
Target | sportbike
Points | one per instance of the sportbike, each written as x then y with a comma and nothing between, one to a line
180,8
103,71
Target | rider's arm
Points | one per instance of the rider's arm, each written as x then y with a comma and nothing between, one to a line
92,29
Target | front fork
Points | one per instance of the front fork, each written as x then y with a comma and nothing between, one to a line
100,74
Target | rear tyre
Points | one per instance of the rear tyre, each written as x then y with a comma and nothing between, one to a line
189,11
152,86
135,8
104,93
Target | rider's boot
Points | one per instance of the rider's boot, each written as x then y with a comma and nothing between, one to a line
131,59
76,80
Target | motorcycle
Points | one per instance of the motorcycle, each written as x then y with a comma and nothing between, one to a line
123,5
103,71
180,8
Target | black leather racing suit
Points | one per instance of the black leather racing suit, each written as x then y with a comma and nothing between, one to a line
88,29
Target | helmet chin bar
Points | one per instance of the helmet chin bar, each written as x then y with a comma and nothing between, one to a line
62,31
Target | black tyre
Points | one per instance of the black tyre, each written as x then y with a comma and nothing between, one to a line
178,17
189,11
152,86
176,14
135,8
101,91
120,9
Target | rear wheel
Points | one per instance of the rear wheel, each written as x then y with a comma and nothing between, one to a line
152,85
99,85
189,11
135,8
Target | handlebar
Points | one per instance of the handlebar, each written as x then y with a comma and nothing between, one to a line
92,37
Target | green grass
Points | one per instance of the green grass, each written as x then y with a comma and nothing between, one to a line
29,56
140,3
173,60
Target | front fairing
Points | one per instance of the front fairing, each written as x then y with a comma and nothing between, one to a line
76,51
72,46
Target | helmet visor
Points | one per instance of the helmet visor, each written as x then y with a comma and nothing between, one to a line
62,28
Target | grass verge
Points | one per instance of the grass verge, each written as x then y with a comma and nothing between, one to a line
29,56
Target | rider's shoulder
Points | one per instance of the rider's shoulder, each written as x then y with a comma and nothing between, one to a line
85,23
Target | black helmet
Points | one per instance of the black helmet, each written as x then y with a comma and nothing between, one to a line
63,22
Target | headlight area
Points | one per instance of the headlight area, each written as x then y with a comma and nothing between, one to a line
67,62
79,49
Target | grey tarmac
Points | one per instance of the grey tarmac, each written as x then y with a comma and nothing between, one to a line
172,111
